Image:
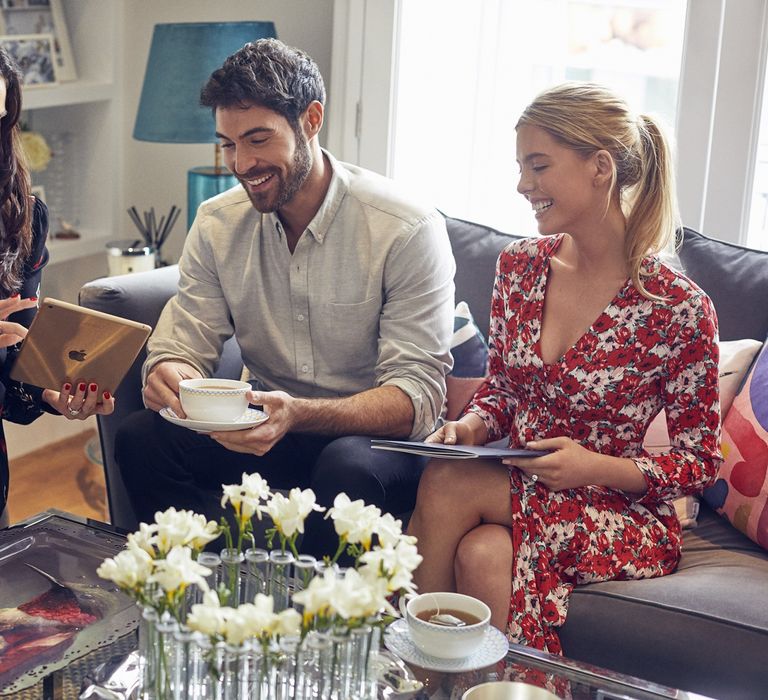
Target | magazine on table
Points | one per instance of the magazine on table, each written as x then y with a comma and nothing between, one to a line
437,450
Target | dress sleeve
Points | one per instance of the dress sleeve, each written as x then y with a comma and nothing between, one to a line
495,401
23,403
692,404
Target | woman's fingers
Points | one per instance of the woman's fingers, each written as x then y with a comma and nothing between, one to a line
15,303
80,400
11,333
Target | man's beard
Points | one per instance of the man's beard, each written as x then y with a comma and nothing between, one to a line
295,178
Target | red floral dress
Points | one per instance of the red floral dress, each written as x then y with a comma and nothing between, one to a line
639,356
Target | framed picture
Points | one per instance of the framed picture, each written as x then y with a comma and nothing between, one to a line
22,17
33,53
38,191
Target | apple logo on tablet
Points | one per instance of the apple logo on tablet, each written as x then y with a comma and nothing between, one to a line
77,355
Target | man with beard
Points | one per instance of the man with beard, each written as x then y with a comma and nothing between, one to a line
339,290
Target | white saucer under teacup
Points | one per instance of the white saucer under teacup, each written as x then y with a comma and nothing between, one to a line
493,647
251,418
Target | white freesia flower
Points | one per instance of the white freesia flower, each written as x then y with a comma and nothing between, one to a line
356,597
317,597
247,496
288,623
129,569
208,617
178,570
177,527
397,564
145,538
390,531
201,531
289,514
354,520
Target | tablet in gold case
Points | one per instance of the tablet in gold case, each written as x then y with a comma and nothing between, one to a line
67,343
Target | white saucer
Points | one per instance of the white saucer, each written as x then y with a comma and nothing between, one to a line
249,419
397,639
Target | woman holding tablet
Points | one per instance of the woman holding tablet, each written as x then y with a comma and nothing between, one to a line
23,230
591,336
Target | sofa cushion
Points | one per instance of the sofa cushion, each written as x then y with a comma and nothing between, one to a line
741,490
684,629
470,362
476,249
735,278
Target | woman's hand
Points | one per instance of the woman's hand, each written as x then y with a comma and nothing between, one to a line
11,333
15,303
80,401
568,466
452,433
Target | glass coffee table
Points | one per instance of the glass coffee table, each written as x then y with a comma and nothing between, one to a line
58,619
565,678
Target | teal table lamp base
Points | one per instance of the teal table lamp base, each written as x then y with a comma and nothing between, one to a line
204,183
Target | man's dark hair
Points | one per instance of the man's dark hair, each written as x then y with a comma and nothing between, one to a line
269,74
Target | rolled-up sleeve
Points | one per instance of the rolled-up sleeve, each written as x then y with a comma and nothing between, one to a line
195,322
417,320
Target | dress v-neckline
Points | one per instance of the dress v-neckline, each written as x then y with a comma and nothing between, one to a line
541,291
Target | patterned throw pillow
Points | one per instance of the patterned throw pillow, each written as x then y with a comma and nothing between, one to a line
741,490
470,362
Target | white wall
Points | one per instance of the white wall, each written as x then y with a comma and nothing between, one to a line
156,174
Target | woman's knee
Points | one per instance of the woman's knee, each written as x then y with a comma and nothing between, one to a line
482,551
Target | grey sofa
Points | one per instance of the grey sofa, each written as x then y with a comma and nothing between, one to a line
702,629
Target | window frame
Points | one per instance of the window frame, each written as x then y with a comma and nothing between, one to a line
718,117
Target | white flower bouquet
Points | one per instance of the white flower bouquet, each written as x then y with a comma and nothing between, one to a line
252,623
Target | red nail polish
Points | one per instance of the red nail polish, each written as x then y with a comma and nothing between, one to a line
67,387
32,298
106,395
16,296
92,387
81,386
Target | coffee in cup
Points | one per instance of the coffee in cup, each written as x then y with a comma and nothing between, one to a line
214,400
446,625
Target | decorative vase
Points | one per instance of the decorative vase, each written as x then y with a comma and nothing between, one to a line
231,561
279,586
256,573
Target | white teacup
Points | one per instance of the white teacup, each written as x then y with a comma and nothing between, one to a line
507,690
214,400
446,642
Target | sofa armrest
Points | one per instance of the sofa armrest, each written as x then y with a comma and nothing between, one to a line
141,297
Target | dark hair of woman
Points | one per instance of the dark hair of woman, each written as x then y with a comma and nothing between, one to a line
15,203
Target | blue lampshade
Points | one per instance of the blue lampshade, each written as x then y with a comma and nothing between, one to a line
181,59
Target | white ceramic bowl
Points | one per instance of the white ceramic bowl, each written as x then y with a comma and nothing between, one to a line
214,400
507,690
447,642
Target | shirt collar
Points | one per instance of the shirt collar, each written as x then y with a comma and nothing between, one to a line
337,189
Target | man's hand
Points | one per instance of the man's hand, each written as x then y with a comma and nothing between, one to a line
282,411
162,387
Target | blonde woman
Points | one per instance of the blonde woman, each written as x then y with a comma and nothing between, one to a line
591,336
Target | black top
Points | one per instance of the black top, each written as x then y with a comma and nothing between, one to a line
22,403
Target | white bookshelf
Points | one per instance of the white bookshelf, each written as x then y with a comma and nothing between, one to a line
82,121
